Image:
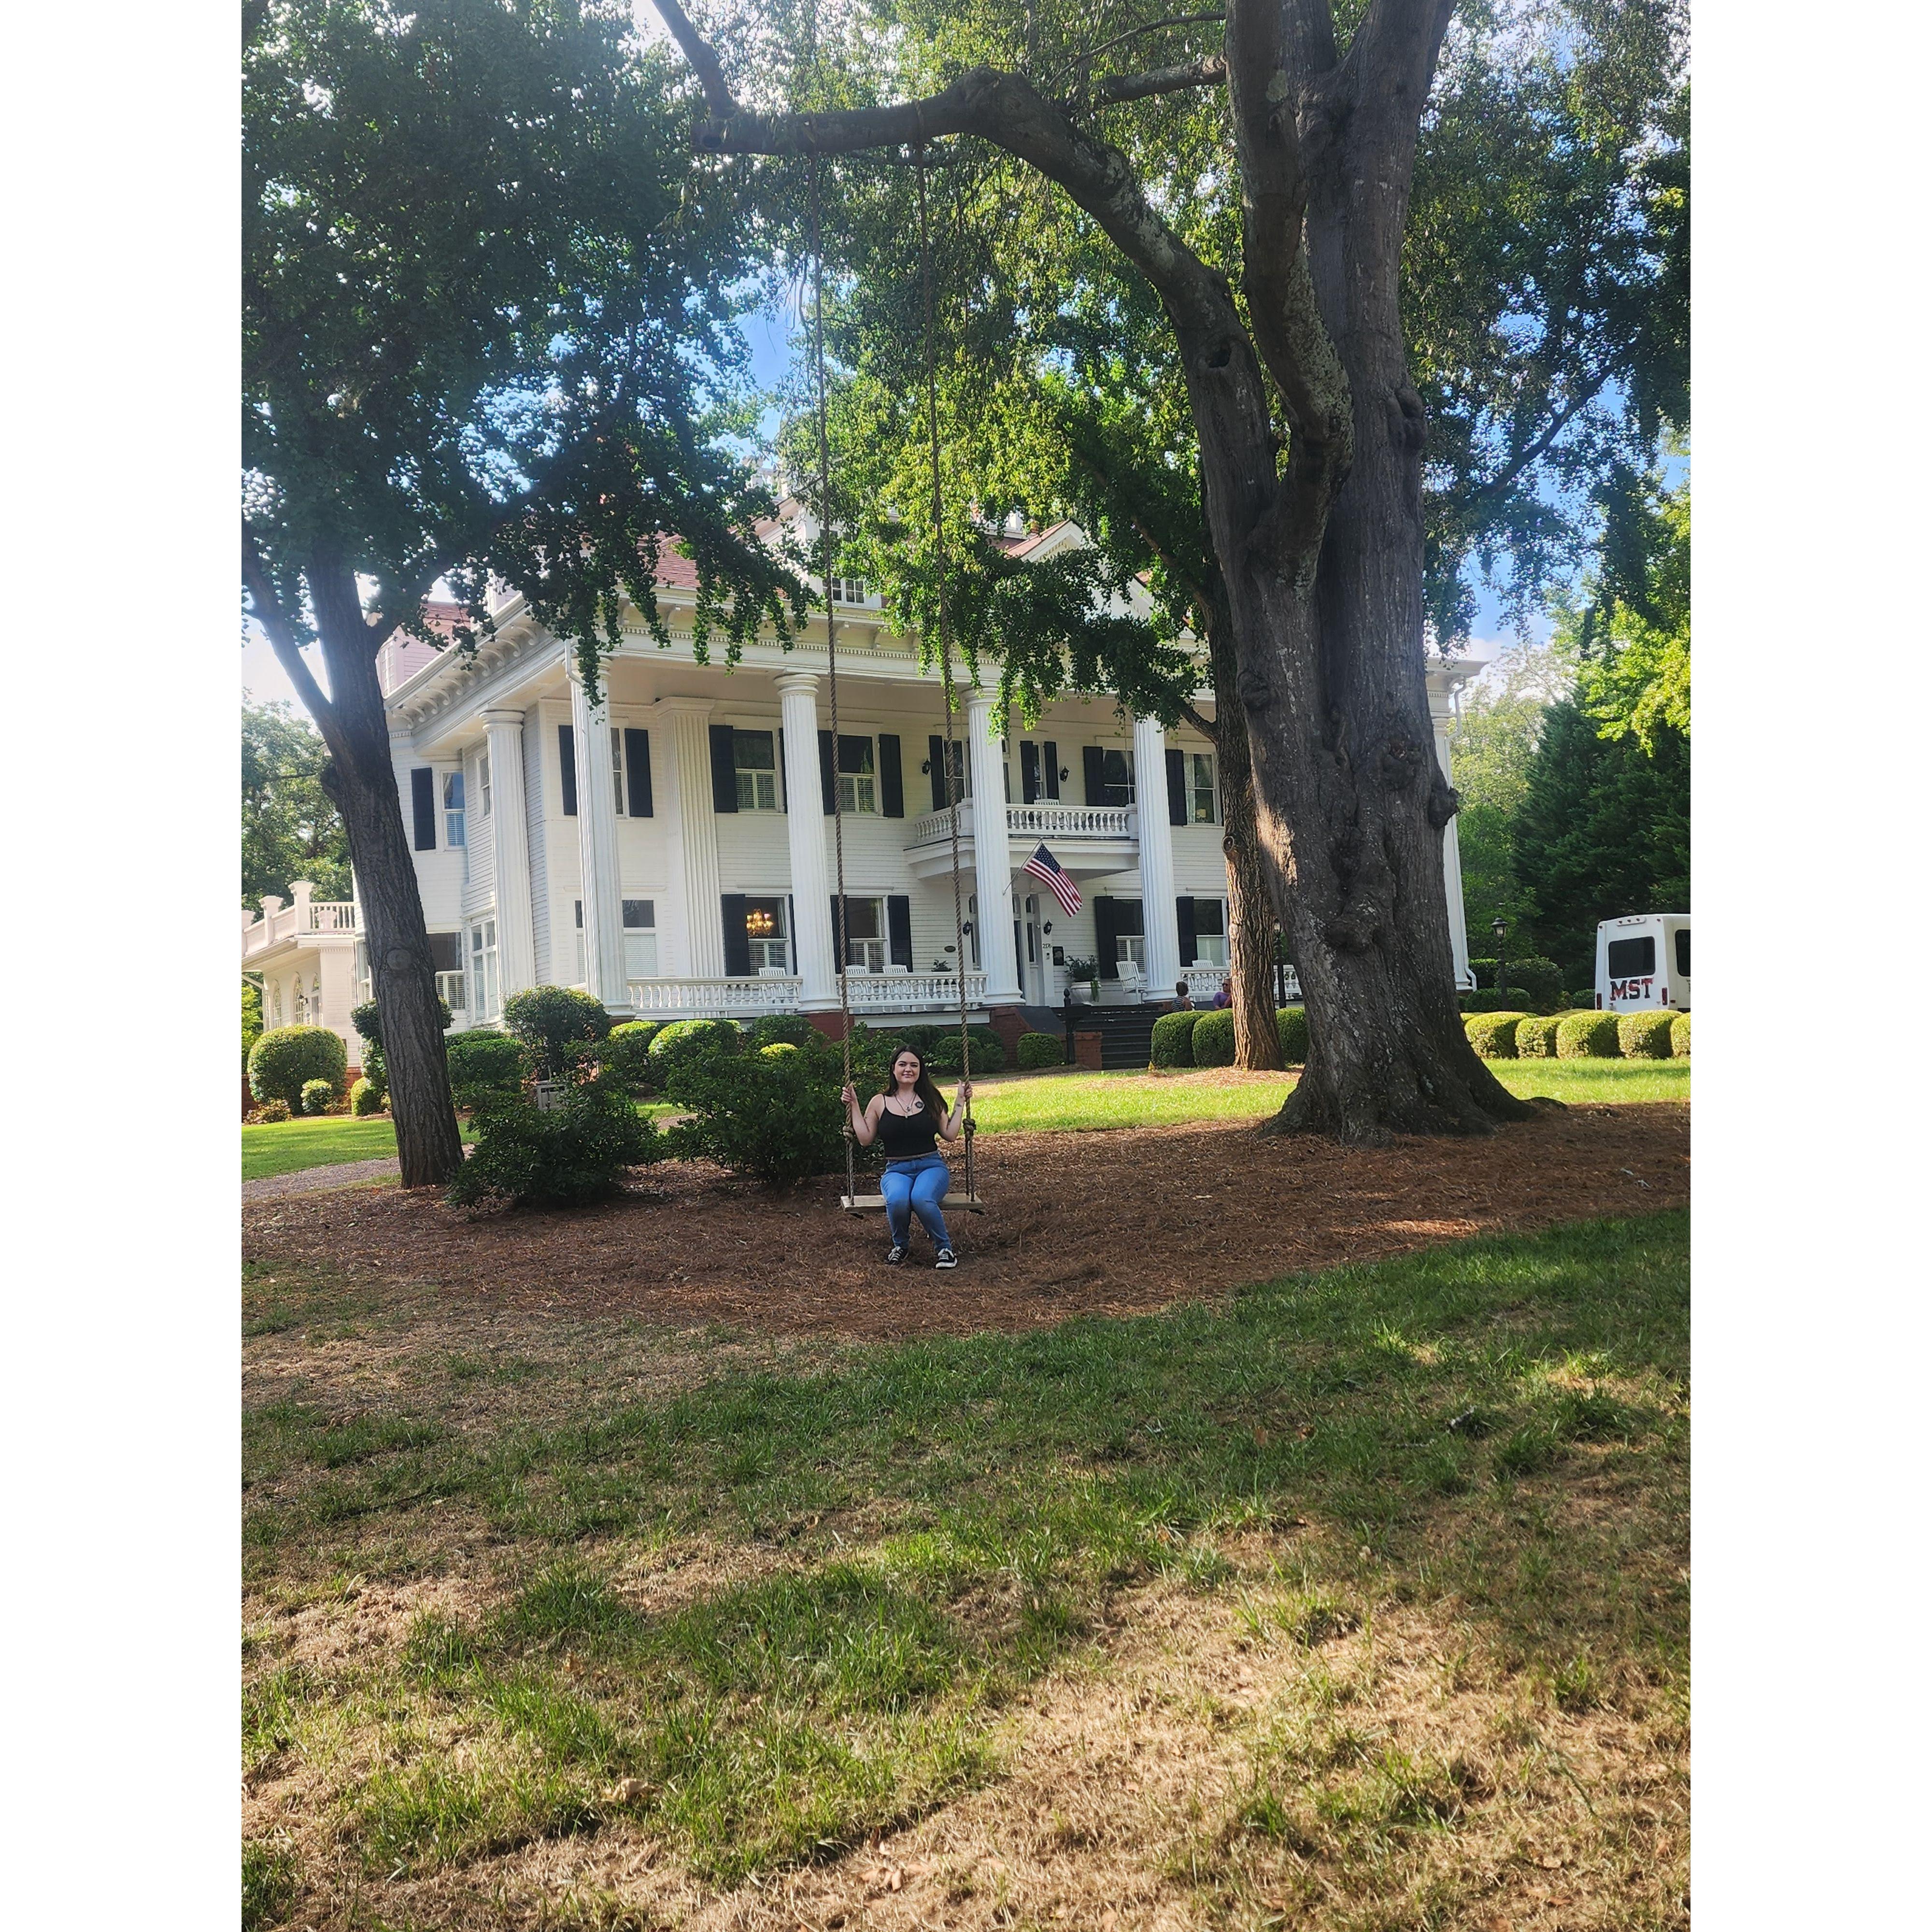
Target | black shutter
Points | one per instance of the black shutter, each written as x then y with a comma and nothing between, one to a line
724,786
422,798
1095,760
838,937
1051,752
937,746
1183,912
737,941
566,754
891,778
785,775
1029,772
791,926
637,771
825,777
899,927
1104,933
1177,789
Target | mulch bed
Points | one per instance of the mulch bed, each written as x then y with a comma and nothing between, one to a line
1118,1223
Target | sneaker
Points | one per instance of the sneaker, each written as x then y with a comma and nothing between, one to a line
895,1255
946,1258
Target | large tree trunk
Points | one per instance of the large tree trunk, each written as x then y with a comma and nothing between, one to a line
361,779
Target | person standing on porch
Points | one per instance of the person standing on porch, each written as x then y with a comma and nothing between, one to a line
908,1119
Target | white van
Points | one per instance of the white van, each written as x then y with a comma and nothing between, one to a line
1643,963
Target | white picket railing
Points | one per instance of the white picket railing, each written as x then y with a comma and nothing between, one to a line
291,921
867,992
1044,819
1204,982
936,827
331,916
911,992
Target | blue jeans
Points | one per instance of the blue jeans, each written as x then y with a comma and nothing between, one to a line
919,1184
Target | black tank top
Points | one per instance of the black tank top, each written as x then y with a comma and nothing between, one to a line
907,1136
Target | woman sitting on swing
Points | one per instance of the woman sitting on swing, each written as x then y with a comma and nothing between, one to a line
907,1120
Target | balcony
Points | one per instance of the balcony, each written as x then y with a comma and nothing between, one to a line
890,992
1089,838
307,917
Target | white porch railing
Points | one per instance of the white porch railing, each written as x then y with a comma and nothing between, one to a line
1204,982
295,921
741,999
1043,820
911,992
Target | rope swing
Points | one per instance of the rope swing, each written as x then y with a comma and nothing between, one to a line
852,1201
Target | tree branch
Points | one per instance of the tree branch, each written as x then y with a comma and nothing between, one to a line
1517,464
1210,71
275,620
1092,54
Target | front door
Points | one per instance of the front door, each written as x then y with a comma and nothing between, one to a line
1032,954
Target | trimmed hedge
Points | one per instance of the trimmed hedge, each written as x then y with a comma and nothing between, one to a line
775,1114
317,1097
365,1099
1214,1038
1037,1050
987,1051
1536,1036
1680,1036
625,1055
571,1155
1173,1043
1644,1036
1290,1028
776,1049
283,1061
684,1041
486,1067
1493,1035
1587,1036
1533,981
789,1029
558,1025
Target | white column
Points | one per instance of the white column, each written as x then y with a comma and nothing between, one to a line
510,854
1441,718
814,942
1160,923
992,862
597,843
698,947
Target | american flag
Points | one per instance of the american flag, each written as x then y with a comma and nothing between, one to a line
1046,868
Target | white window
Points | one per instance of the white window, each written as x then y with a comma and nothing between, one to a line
858,784
756,766
640,939
315,999
865,937
1210,932
302,1003
765,934
483,970
1201,804
617,765
483,780
848,590
452,808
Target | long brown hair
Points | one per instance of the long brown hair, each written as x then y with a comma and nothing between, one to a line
925,1086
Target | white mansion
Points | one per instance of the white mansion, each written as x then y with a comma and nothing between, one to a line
669,849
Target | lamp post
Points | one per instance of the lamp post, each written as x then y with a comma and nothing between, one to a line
1499,926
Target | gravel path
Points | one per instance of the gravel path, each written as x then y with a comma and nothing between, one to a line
314,1179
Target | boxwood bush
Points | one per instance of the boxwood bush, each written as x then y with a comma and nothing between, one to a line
284,1060
1493,1035
317,1097
272,1113
1536,1036
775,1114
1173,1042
367,1019
626,1053
364,1098
1048,1049
1214,1038
1680,1036
686,1040
1644,1036
557,1025
989,1052
794,1029
1587,1036
1290,1028
572,1155
486,1067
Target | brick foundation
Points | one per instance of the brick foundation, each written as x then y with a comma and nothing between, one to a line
1009,1023
1086,1051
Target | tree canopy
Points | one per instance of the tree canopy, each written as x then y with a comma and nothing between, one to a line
290,828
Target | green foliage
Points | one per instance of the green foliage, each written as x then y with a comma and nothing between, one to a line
251,1019
794,1028
1493,1035
1172,1041
365,1098
272,1113
1644,1036
1037,1050
1587,1036
625,1055
1680,1036
1539,980
290,828
1213,1040
1291,1027
1634,634
573,1155
317,1097
1487,1000
367,1019
486,1068
987,1051
774,1115
1536,1036
684,1041
284,1060
557,1025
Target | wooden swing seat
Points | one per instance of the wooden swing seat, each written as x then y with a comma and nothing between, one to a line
868,1203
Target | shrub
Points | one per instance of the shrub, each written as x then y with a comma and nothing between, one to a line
317,1097
626,1052
281,1062
1290,1027
1214,1038
571,1156
775,1116
367,1021
1045,1049
364,1098
989,1052
251,1019
1534,981
1680,1036
486,1068
782,1029
1536,1036
1493,1035
776,1047
1644,1036
1587,1036
1172,1045
558,1025
271,1111
686,1040
1488,1000
1585,1002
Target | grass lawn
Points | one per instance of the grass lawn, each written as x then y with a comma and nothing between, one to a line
291,1145
1357,1600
